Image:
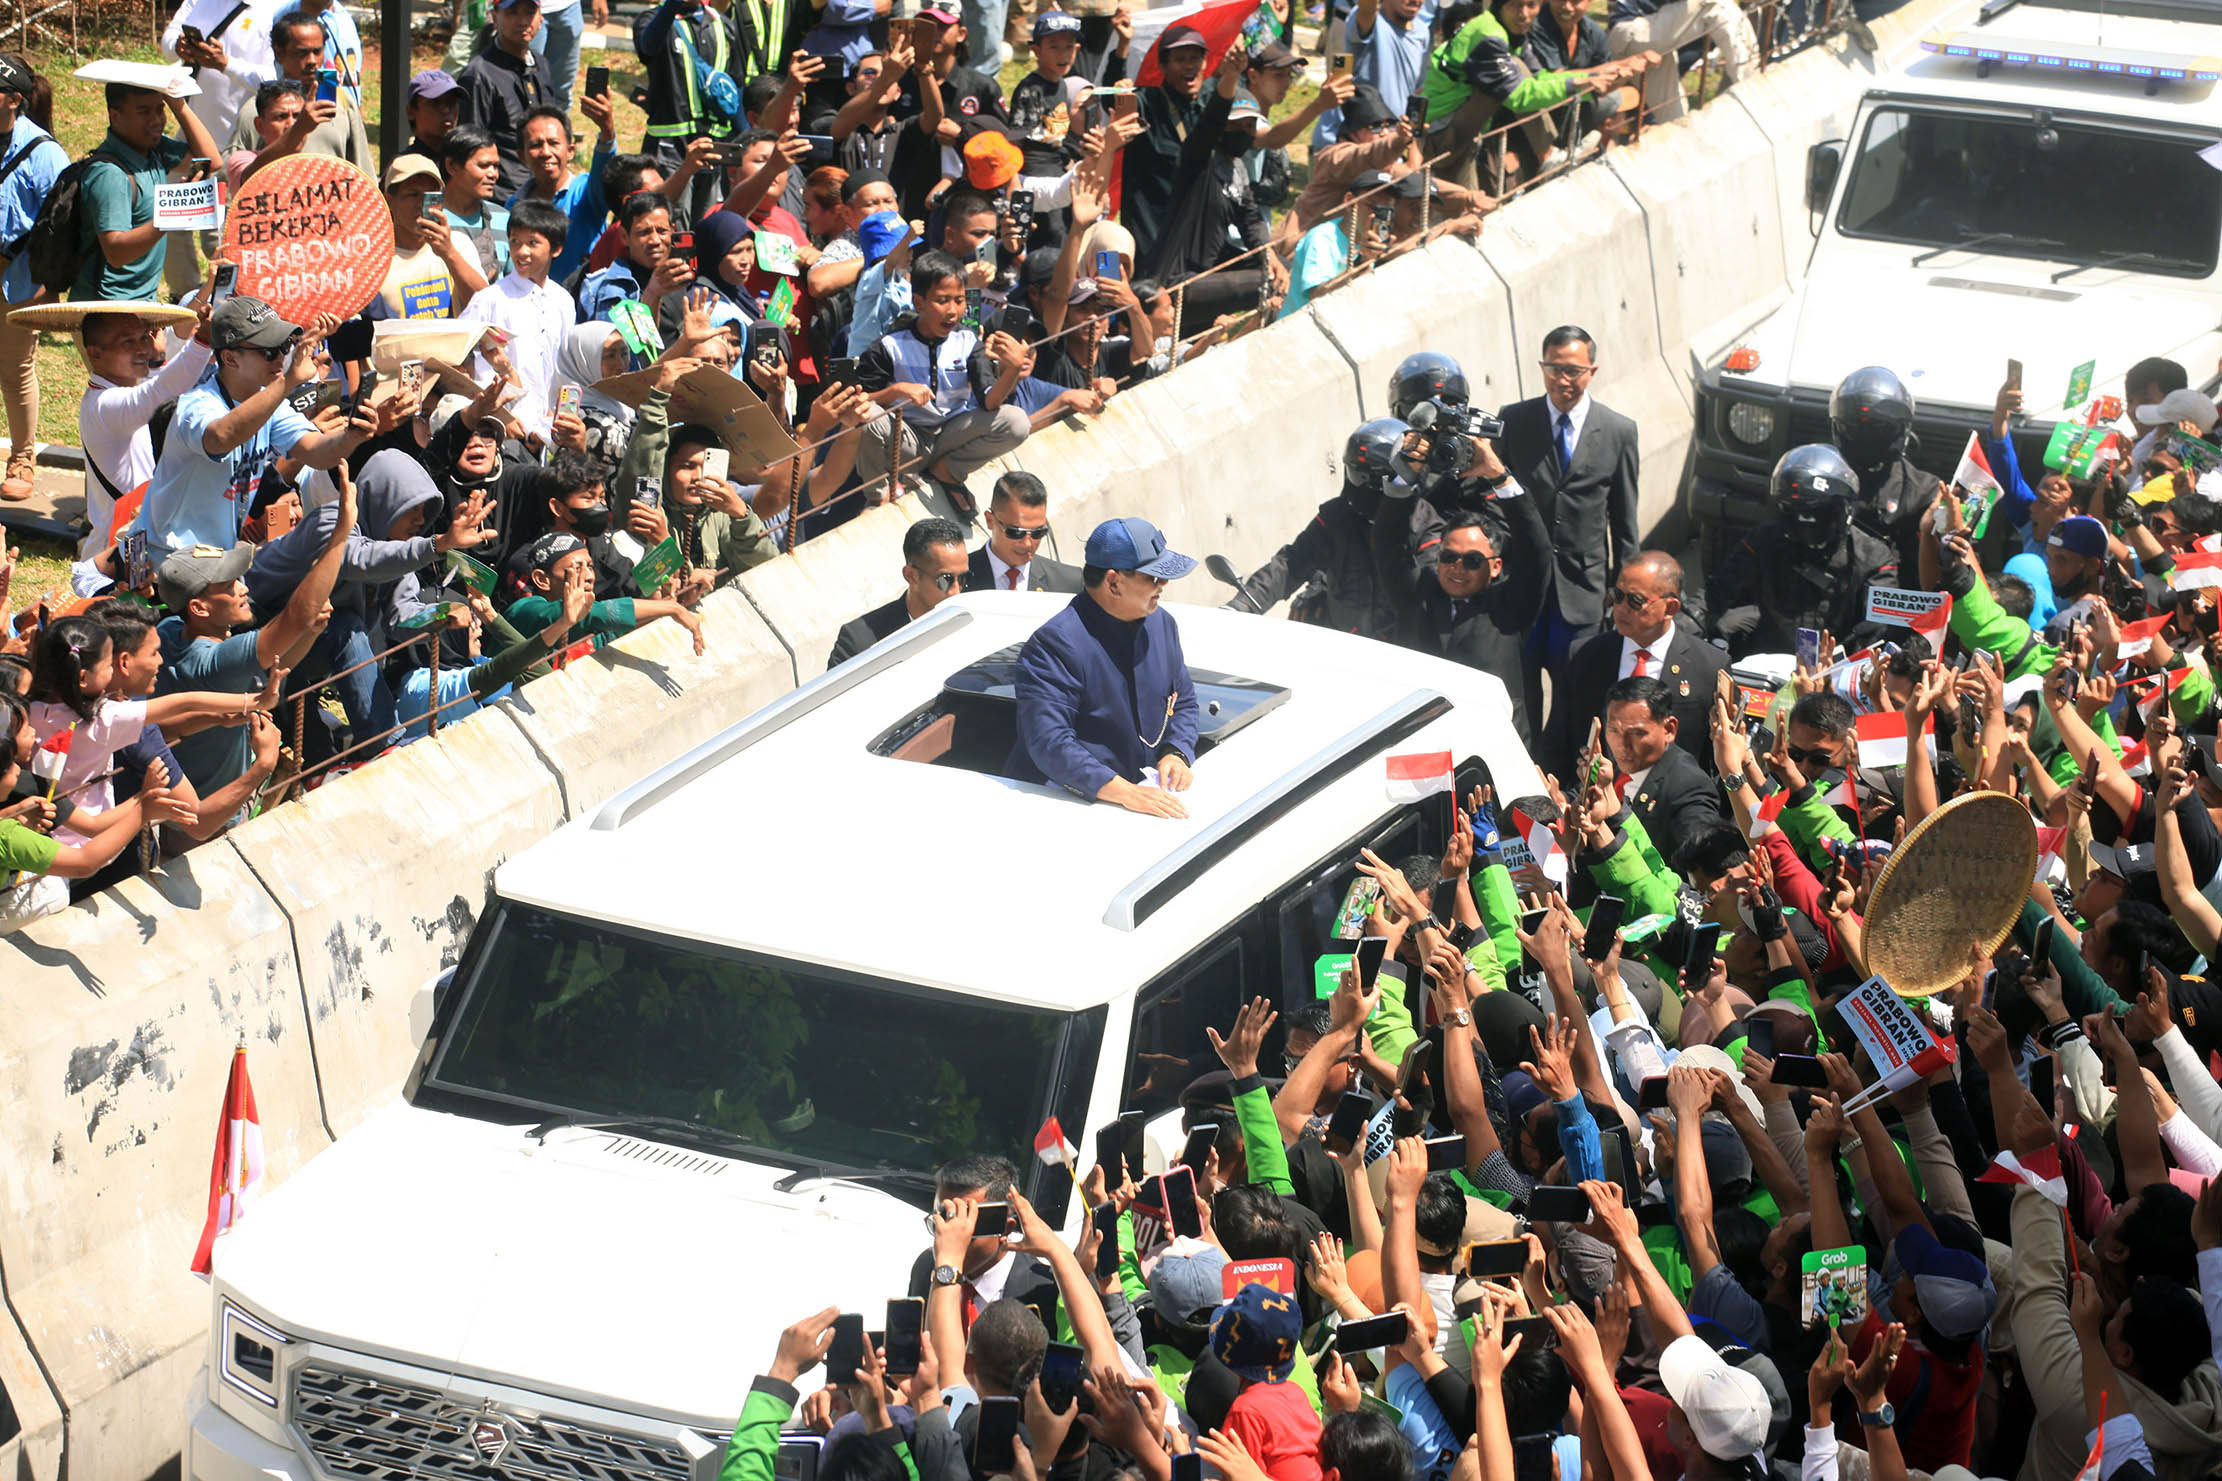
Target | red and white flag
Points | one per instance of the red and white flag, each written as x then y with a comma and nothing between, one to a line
2156,691
1051,1147
1219,21
1767,820
2136,638
2040,1170
51,756
236,1176
1973,477
1414,777
1843,794
1932,622
1882,738
2136,760
2209,543
2196,568
2049,843
1542,846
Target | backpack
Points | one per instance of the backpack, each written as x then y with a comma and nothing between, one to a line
53,246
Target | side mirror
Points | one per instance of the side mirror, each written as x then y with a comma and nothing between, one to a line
1822,162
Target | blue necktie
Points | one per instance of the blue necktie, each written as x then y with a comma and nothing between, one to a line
1565,442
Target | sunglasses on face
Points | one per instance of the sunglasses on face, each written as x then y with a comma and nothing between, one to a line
1809,758
1013,532
946,579
1632,600
1472,560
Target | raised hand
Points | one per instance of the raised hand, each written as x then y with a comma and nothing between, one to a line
1239,1050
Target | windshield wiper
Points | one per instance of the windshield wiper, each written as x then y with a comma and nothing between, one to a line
678,1126
833,1172
2156,259
1978,240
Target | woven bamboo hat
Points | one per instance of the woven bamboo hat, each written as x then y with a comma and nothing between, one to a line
1958,880
64,317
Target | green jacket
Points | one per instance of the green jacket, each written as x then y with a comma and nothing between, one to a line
603,621
725,544
1480,58
755,1443
1979,622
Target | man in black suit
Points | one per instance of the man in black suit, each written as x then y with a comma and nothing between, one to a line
1649,638
1018,523
1579,458
933,572
992,1270
1658,782
1475,601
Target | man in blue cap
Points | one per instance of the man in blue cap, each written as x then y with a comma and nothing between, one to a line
1105,705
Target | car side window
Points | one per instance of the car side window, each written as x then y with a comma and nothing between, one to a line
1169,1048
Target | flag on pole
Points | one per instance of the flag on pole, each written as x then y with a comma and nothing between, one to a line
1843,794
236,1176
1220,22
1051,1147
2136,760
2154,692
1414,777
2137,637
1542,845
2040,1170
51,756
2050,841
1882,738
1977,485
1931,624
1767,819
2196,568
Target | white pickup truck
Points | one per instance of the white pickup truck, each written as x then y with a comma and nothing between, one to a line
707,1045
2030,187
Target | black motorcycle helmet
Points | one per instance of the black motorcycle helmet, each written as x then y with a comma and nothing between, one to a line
1870,416
1369,458
1813,488
1427,376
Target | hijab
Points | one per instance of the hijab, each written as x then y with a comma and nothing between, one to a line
714,236
579,363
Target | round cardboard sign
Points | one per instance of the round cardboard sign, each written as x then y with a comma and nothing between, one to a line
311,236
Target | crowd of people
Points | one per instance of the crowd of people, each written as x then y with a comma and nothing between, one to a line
1609,1138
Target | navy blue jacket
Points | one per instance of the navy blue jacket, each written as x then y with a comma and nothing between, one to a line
1092,694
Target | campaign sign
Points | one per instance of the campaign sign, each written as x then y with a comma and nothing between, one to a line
311,236
1833,1288
192,205
1895,608
1274,1272
1887,1028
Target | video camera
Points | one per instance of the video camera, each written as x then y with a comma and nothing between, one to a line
1446,427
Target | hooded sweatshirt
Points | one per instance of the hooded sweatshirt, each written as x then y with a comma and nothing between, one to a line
377,576
2186,1436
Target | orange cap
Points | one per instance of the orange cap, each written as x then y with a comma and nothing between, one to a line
991,160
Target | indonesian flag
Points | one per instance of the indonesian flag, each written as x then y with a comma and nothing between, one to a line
2137,637
1220,21
1770,812
1542,847
2154,692
1414,777
2040,1170
1933,621
2209,543
2136,760
2197,568
1974,477
1882,738
1051,1147
1843,794
52,755
236,1176
2050,841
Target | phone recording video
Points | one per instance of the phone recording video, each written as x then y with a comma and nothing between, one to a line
1799,1069
1371,1332
1604,922
995,1443
1061,1372
906,1321
1651,1094
1106,1215
1198,1147
1348,1123
1497,1258
1370,953
1446,1153
846,1354
1550,1204
1179,1186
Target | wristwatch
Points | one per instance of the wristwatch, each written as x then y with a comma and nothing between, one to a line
1881,1419
1463,1018
946,1275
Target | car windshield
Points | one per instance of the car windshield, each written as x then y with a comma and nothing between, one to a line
2018,189
568,1017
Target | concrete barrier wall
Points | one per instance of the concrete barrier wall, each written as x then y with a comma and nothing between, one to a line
309,930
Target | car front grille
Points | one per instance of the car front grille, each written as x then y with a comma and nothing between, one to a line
380,1430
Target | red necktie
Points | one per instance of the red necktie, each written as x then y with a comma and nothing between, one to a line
1010,578
1620,787
1643,664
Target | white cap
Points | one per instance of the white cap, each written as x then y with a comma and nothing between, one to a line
2182,405
1727,1409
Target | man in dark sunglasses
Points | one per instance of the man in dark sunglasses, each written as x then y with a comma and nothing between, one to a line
1485,589
933,572
1016,556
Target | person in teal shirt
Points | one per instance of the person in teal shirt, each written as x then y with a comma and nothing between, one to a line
559,560
120,247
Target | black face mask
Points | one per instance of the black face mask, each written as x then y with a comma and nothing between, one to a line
590,521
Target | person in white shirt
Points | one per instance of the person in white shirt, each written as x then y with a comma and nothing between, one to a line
231,58
127,379
535,313
1018,525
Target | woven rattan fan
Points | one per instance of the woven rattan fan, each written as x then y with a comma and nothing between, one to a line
1957,881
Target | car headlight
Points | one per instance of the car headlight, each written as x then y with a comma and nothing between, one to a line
251,1358
1751,423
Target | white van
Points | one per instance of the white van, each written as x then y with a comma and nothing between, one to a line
706,1047
2030,187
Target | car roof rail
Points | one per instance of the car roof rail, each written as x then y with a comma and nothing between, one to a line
907,642
1156,886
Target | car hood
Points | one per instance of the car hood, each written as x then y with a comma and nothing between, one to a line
1953,322
598,1267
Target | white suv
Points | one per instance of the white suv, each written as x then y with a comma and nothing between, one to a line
701,1057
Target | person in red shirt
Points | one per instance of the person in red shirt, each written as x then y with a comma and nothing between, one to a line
1945,1298
1255,1335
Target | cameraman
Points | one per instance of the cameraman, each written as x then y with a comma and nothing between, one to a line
1337,549
1447,458
1483,588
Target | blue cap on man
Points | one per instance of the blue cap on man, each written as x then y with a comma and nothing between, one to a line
1135,545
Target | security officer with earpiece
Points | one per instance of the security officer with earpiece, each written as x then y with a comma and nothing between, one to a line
1334,553
1870,420
1810,568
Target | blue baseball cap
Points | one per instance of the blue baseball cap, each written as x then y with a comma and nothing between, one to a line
1135,545
1056,23
2081,534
